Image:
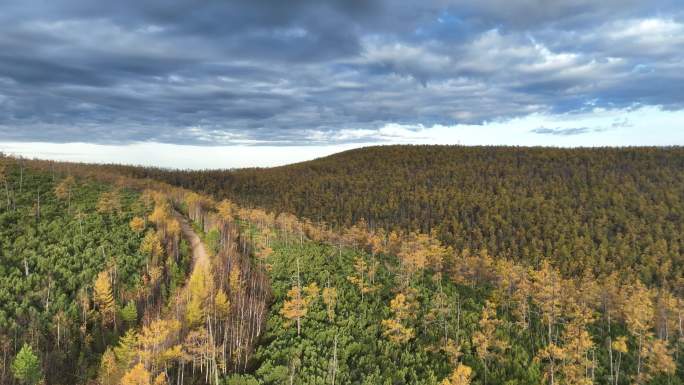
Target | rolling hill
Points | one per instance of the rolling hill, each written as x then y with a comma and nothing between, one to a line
597,209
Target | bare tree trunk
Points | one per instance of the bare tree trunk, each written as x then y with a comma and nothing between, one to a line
334,364
38,208
47,299
639,357
617,370
8,196
610,357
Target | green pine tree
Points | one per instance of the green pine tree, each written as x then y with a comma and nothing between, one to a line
129,313
26,366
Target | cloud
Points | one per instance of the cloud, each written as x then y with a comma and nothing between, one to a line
324,72
564,131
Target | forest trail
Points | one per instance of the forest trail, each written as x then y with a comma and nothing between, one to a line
199,252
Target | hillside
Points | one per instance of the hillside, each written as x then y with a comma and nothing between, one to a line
377,313
79,266
585,209
275,299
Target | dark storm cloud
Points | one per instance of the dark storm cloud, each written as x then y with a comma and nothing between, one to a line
308,71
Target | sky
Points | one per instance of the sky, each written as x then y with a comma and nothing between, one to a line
220,83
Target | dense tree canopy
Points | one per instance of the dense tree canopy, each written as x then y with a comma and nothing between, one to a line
459,266
600,209
72,275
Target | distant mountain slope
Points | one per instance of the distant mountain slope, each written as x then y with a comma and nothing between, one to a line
597,209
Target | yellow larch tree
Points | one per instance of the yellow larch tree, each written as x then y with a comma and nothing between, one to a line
200,288
413,256
513,285
376,242
110,202
546,286
151,246
160,214
226,210
108,369
577,344
138,375
357,235
296,306
173,231
137,224
657,359
63,190
394,329
235,280
104,298
620,347
221,304
639,314
361,275
158,346
484,339
461,375
311,292
552,355
161,379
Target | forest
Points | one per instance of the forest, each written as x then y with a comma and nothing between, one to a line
499,266
600,209
80,265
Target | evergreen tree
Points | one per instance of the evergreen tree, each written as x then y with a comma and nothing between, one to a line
26,366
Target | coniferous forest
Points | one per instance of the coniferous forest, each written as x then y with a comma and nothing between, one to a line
428,265
600,209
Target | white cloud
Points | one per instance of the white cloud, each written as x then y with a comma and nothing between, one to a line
599,127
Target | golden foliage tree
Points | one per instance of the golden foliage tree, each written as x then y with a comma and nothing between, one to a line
104,298
226,210
108,369
620,347
297,305
110,202
201,287
63,189
138,375
221,304
158,346
137,224
639,314
151,245
577,344
361,275
485,339
461,375
553,356
657,359
546,285
394,328
234,281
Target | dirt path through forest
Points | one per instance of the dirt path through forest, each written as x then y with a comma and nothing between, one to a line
199,253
